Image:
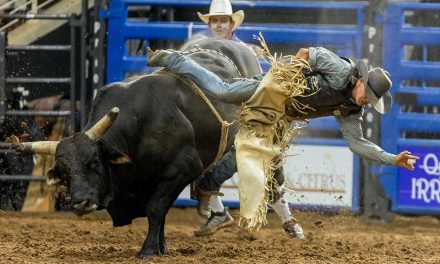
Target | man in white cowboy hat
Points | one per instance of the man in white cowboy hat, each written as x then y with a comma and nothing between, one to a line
332,86
222,22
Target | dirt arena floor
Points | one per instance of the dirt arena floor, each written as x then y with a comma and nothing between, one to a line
342,238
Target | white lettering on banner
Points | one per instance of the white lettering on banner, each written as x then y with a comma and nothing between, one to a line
431,164
320,182
426,190
319,175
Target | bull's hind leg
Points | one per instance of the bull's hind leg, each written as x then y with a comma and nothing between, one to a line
183,170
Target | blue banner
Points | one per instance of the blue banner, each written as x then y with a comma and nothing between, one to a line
421,187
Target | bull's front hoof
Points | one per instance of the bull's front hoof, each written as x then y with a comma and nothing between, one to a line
148,253
164,249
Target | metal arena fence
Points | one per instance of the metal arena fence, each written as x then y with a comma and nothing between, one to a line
416,81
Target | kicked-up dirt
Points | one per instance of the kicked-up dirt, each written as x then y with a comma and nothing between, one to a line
341,238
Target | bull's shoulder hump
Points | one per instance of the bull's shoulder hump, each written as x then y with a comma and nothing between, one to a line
123,85
113,92
146,85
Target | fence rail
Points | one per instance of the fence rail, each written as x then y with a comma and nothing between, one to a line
31,7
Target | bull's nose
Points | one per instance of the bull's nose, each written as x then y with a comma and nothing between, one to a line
79,205
83,207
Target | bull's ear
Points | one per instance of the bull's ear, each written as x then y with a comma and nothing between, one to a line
122,159
53,176
53,172
117,157
114,155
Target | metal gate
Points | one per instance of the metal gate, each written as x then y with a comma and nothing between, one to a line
411,53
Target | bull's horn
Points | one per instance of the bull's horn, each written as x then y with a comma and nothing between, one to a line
96,131
39,147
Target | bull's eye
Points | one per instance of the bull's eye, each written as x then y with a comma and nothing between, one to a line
50,181
93,165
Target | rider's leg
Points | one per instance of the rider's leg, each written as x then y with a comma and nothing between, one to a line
281,208
216,204
177,62
225,169
209,186
219,216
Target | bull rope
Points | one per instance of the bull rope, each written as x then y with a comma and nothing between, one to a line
198,49
225,124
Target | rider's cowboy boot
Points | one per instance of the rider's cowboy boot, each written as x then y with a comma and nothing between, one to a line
204,198
293,229
158,57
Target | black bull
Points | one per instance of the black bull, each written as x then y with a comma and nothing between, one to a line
164,135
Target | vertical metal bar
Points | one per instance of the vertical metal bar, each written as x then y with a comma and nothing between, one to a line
97,53
170,17
72,74
360,27
424,60
94,51
34,8
425,54
83,63
116,44
101,49
392,58
2,76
